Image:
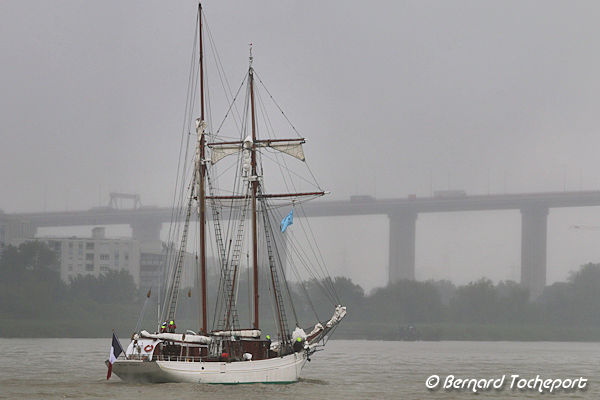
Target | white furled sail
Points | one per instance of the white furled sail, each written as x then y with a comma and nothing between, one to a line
176,337
222,151
293,149
249,333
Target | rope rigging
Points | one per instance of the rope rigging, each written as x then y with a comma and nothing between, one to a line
229,237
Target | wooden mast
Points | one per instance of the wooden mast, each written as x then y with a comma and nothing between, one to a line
202,194
254,181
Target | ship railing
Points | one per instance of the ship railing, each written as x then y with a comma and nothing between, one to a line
163,357
143,357
146,357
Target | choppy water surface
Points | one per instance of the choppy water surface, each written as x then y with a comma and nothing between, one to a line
74,368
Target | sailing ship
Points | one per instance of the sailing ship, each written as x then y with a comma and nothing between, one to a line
228,352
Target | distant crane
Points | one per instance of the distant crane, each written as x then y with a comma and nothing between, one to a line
115,197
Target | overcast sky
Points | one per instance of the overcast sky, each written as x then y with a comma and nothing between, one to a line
396,98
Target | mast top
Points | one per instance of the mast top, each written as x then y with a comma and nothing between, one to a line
251,57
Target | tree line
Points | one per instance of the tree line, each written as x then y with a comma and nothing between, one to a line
31,287
574,302
31,290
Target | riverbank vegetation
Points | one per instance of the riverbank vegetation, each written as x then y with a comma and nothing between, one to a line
35,302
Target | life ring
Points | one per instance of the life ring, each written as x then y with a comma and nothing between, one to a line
149,348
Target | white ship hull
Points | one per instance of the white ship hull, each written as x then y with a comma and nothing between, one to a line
284,369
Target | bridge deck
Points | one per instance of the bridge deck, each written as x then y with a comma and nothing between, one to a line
108,216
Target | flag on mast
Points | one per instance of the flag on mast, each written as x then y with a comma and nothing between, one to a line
287,221
115,351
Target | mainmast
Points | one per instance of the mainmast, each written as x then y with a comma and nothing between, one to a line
202,173
254,183
250,145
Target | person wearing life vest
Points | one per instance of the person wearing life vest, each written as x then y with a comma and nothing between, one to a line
298,345
172,326
163,327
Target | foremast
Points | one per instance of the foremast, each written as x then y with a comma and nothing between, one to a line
197,192
254,183
201,168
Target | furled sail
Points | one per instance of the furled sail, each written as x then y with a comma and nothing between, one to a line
177,337
292,147
246,333
220,152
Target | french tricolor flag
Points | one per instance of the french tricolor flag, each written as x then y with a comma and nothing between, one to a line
115,350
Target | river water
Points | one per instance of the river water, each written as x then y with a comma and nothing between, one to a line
74,369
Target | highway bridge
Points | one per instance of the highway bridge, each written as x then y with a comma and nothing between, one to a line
146,222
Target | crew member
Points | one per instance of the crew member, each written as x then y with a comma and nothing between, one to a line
163,327
172,326
298,344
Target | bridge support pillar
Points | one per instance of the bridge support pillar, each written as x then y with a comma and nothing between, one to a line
534,227
146,230
402,246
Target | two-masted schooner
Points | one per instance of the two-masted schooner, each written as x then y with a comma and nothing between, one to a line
228,352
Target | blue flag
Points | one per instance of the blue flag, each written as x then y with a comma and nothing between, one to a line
288,220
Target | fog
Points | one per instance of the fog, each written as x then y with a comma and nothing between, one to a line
395,98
